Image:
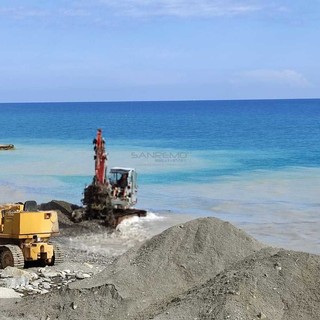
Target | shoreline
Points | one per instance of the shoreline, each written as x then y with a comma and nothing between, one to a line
204,268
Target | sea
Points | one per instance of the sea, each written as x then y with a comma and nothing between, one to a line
253,163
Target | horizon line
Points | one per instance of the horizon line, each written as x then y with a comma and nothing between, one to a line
146,101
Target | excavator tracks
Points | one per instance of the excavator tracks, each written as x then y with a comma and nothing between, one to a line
58,254
11,255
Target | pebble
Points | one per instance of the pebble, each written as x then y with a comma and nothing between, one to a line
6,293
277,266
46,285
44,291
79,275
262,315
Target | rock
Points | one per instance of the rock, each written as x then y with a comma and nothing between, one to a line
6,293
62,274
12,272
79,275
78,215
63,206
34,276
16,282
51,274
47,273
64,210
88,265
44,291
277,266
35,285
262,315
46,286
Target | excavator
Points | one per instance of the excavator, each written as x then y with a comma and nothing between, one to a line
111,198
25,236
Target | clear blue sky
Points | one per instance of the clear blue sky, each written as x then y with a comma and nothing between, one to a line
119,50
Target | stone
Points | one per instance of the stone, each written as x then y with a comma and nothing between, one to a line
79,275
6,293
46,285
12,272
34,276
50,274
278,266
262,315
44,291
16,282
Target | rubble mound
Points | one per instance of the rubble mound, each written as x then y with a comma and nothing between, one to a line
66,215
63,206
64,210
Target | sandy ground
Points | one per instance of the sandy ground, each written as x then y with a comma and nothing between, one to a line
202,269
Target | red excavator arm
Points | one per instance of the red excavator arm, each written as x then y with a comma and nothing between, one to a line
97,197
100,158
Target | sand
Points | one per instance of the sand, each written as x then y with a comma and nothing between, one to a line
203,269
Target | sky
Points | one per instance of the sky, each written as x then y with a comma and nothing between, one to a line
136,50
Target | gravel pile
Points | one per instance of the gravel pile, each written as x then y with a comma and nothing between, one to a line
204,269
271,284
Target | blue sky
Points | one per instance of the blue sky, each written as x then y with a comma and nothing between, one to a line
113,50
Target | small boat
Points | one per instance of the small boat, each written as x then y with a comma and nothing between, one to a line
6,146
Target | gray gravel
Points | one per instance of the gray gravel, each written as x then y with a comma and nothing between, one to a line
204,269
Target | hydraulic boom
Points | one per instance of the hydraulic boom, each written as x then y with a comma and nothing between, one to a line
110,199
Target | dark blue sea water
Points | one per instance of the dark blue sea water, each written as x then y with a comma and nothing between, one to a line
253,163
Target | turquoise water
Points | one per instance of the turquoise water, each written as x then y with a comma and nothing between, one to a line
253,163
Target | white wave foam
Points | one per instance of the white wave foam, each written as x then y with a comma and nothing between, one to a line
130,232
137,229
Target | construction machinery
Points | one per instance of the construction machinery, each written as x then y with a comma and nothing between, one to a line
25,235
110,198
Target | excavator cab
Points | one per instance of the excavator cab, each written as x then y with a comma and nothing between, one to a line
123,182
110,198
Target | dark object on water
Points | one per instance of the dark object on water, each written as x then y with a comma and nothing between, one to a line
6,146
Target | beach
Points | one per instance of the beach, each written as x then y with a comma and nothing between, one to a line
201,269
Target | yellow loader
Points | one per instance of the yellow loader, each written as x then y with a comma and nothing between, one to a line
25,236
